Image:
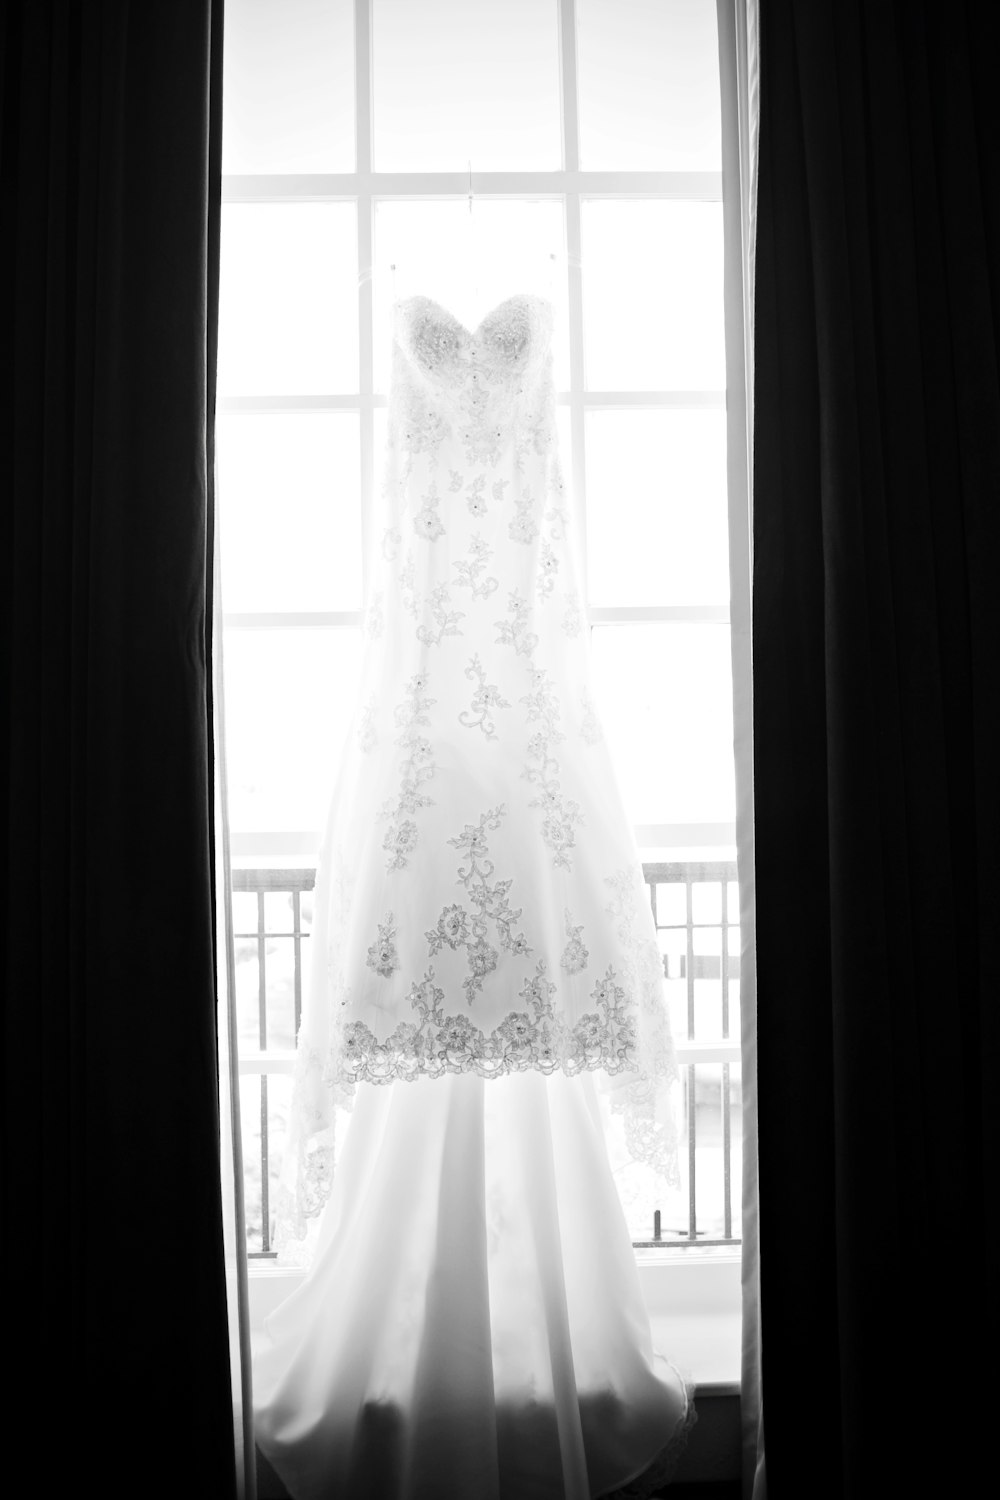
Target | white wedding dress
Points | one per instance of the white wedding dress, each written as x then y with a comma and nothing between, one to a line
485,996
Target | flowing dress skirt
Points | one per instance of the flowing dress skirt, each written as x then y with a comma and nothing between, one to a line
472,1325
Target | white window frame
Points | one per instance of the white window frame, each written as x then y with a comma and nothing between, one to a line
681,1286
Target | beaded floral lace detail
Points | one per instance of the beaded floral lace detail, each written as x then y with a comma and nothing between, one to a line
382,955
456,927
574,955
416,768
443,619
560,814
514,632
475,672
534,1037
479,377
485,699
471,569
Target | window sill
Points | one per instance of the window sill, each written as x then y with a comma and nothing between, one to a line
693,1302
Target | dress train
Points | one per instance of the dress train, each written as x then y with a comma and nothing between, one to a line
472,1325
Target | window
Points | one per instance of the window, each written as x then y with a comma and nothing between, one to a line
595,130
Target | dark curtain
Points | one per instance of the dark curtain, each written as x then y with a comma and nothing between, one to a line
877,752
114,1323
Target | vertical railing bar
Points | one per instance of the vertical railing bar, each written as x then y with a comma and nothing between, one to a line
724,961
689,890
265,1226
265,1204
297,955
261,974
692,1207
727,1208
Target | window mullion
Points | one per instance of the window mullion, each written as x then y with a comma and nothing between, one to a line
571,164
328,187
293,619
363,89
568,86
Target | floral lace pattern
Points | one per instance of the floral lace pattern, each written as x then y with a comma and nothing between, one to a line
485,699
491,902
514,632
535,1037
367,733
444,618
427,521
480,379
491,917
374,620
590,726
572,620
575,954
471,569
382,955
416,768
560,814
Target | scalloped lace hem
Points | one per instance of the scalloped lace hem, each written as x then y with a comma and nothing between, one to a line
661,1470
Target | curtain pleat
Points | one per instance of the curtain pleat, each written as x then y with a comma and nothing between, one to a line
876,532
233,1196
739,66
115,1325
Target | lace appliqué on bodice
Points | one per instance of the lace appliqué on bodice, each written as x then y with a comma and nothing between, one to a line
482,384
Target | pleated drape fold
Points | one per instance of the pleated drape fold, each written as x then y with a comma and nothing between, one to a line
115,1308
876,743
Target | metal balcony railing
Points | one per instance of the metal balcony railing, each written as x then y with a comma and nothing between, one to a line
696,910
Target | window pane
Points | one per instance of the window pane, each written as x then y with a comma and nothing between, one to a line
469,262
705,1107
248,993
262,1095
279,981
290,492
713,1098
279,964
648,75
657,528
290,695
250,1130
665,701
288,89
465,80
706,904
673,948
653,300
671,903
288,317
707,945
244,913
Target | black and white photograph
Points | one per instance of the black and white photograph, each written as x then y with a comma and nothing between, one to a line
501,502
